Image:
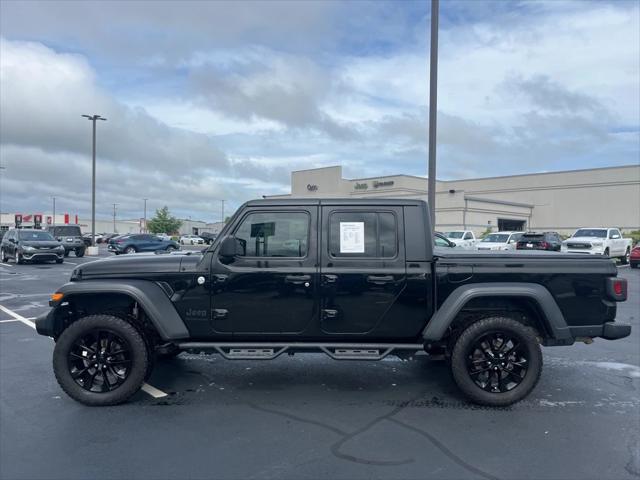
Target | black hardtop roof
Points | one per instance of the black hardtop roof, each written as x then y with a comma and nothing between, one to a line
332,201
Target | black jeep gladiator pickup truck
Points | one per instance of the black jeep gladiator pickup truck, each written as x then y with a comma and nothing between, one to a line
355,279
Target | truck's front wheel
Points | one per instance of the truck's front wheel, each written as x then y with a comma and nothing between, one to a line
100,360
496,361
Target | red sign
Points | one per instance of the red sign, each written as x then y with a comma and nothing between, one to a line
66,218
76,219
26,218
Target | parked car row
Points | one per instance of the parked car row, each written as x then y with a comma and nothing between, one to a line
595,241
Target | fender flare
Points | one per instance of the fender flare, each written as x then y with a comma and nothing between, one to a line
151,298
455,302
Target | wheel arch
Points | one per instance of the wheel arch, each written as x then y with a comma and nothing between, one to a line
534,299
149,300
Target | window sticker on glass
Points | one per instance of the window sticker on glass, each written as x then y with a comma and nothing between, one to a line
351,237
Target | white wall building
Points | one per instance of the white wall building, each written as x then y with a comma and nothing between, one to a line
558,201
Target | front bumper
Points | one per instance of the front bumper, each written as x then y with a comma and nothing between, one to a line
42,255
45,323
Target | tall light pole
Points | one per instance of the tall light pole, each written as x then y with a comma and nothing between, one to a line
433,110
93,119
145,215
114,217
222,212
53,219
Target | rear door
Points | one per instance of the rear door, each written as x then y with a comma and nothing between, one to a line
362,268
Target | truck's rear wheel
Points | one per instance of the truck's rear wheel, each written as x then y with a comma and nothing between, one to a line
100,360
627,256
496,361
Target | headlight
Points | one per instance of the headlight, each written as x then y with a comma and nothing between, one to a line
27,248
596,244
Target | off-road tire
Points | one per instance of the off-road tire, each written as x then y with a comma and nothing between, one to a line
523,333
139,360
79,252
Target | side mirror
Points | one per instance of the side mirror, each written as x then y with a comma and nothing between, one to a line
12,240
230,247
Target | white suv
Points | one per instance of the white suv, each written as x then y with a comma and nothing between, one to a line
599,241
499,241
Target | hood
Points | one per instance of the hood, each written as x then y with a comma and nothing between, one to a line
139,264
585,239
40,244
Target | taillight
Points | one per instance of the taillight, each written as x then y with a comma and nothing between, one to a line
617,289
544,245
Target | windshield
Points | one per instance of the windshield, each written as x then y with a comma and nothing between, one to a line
496,238
33,236
453,234
68,230
591,232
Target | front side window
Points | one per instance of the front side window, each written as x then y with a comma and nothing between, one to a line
277,234
468,236
363,234
454,235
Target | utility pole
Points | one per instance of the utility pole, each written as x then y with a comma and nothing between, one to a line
222,212
53,220
93,119
433,110
145,216
114,218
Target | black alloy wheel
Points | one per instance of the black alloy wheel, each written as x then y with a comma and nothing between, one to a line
496,361
100,360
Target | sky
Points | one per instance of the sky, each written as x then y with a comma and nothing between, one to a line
212,100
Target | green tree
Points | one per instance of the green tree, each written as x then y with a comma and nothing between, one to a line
164,222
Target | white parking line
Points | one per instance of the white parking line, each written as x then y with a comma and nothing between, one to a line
146,388
18,317
153,391
72,263
6,264
15,320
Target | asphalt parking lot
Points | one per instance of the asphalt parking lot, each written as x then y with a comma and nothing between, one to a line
307,416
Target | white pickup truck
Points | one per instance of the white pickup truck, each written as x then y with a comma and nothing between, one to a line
599,241
464,239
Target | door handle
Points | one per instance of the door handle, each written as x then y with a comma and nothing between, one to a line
329,278
220,277
297,279
380,279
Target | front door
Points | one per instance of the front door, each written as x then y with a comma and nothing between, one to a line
271,287
362,269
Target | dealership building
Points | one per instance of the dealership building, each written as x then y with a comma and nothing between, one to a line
557,201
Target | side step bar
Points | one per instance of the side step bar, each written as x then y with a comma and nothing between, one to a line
271,350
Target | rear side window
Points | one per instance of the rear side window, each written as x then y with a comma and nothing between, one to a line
68,231
274,234
363,234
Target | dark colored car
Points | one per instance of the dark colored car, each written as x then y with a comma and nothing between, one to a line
634,258
141,242
356,279
540,241
208,238
30,245
71,238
